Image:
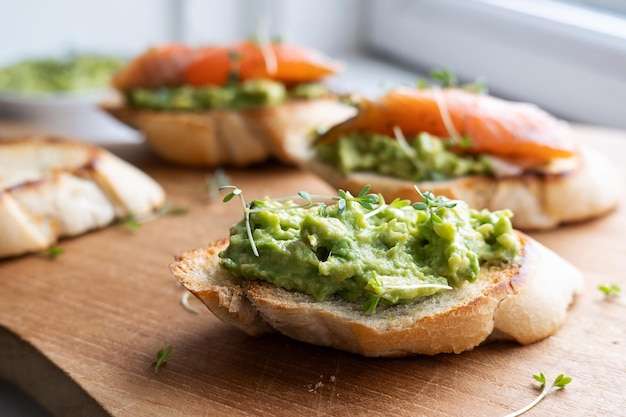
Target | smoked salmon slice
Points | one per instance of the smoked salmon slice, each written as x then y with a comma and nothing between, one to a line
511,130
159,66
282,62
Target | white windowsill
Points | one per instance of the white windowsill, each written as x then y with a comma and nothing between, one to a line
529,51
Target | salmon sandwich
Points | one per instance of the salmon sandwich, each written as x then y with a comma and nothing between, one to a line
487,151
236,104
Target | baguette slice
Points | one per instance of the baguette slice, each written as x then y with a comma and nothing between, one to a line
524,302
540,200
236,138
54,187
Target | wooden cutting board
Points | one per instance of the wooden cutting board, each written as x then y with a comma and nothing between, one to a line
79,333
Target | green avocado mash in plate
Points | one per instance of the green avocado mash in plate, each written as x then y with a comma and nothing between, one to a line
74,74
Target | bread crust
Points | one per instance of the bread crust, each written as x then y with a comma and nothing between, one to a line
525,302
539,201
56,187
236,138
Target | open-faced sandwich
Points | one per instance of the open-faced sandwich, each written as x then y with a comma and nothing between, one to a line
378,278
236,104
471,146
56,187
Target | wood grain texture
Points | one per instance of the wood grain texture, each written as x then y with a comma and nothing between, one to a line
79,333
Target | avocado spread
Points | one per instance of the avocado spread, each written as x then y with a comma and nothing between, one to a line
364,249
424,158
76,73
235,96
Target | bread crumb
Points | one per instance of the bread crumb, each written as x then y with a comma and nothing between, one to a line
319,384
314,388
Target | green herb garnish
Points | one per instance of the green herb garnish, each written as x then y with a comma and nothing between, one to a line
162,356
559,382
53,252
431,204
177,210
131,222
610,290
446,78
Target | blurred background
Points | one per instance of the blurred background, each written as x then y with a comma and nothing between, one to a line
569,57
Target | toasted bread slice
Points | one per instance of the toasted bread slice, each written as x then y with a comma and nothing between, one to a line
540,200
525,302
54,187
227,137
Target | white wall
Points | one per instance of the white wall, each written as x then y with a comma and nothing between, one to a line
33,28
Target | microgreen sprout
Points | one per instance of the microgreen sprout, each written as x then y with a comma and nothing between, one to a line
53,252
364,199
446,78
133,222
237,192
431,204
162,356
559,382
178,210
611,291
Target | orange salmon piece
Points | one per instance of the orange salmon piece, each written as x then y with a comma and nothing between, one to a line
293,64
159,66
497,127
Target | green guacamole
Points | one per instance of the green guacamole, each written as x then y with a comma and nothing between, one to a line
424,158
391,253
238,96
78,73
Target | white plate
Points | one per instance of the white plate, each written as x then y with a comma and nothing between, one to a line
75,115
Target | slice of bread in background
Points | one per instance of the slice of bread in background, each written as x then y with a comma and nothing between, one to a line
55,187
216,138
539,201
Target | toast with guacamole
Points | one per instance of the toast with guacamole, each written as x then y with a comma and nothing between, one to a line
232,104
380,278
467,145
